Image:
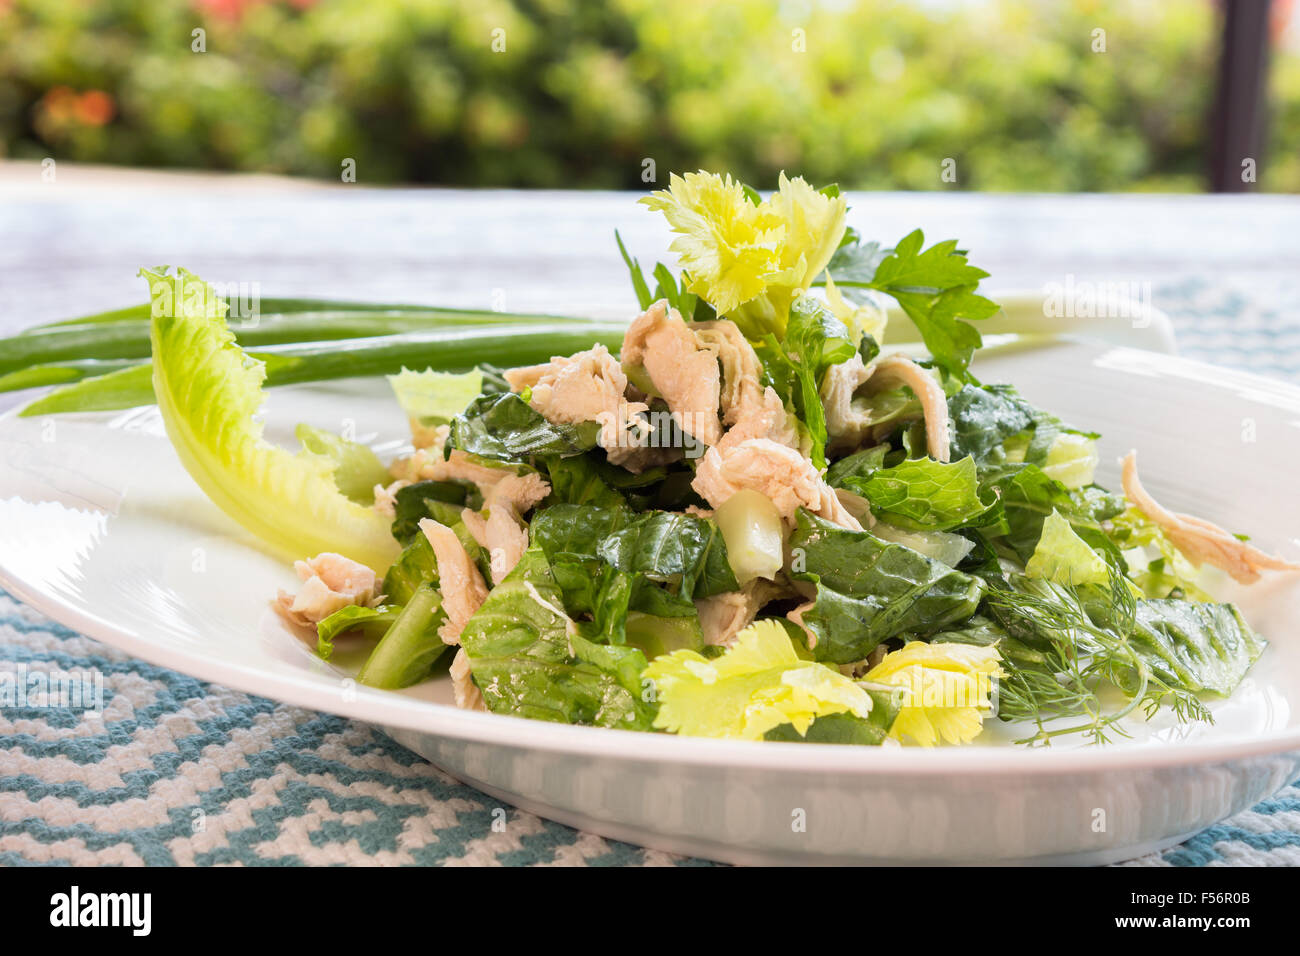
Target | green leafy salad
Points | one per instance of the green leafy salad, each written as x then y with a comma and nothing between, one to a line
742,515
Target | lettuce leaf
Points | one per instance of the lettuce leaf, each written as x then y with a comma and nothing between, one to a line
681,549
1198,647
981,418
610,563
441,500
503,426
1028,496
1063,557
371,622
869,590
208,392
922,494
581,480
435,398
357,469
529,660
860,464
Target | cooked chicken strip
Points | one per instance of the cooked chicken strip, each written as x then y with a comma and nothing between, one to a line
796,616
467,695
587,387
591,386
501,534
462,586
750,410
1200,541
723,616
331,582
523,491
934,403
782,474
845,425
386,497
741,392
683,369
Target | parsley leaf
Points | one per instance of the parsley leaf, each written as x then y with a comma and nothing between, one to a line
935,287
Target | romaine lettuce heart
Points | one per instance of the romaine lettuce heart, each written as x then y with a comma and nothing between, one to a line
208,391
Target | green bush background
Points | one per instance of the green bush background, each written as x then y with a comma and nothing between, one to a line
880,95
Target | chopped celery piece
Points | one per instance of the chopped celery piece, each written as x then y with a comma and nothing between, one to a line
407,653
752,528
1072,460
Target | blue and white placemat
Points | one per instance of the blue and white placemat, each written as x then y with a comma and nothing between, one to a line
179,771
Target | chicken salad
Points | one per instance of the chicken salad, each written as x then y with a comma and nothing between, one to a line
747,515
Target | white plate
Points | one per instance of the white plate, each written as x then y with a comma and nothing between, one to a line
101,529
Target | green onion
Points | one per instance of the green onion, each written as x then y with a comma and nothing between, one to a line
269,306
129,338
61,374
454,349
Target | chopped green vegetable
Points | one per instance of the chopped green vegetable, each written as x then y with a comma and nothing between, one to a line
927,495
869,590
528,659
208,392
408,650
435,398
366,622
357,469
506,428
752,529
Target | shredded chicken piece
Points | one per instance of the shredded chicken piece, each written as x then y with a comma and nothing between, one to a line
1200,541
796,616
330,582
934,403
523,491
857,506
427,436
845,425
466,694
462,586
386,497
750,410
723,616
765,419
501,534
587,387
683,369
782,474
741,394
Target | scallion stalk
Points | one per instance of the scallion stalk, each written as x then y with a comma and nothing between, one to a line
446,349
129,338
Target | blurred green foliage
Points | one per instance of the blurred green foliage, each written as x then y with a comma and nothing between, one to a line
871,94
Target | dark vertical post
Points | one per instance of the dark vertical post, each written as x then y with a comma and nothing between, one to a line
1237,124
